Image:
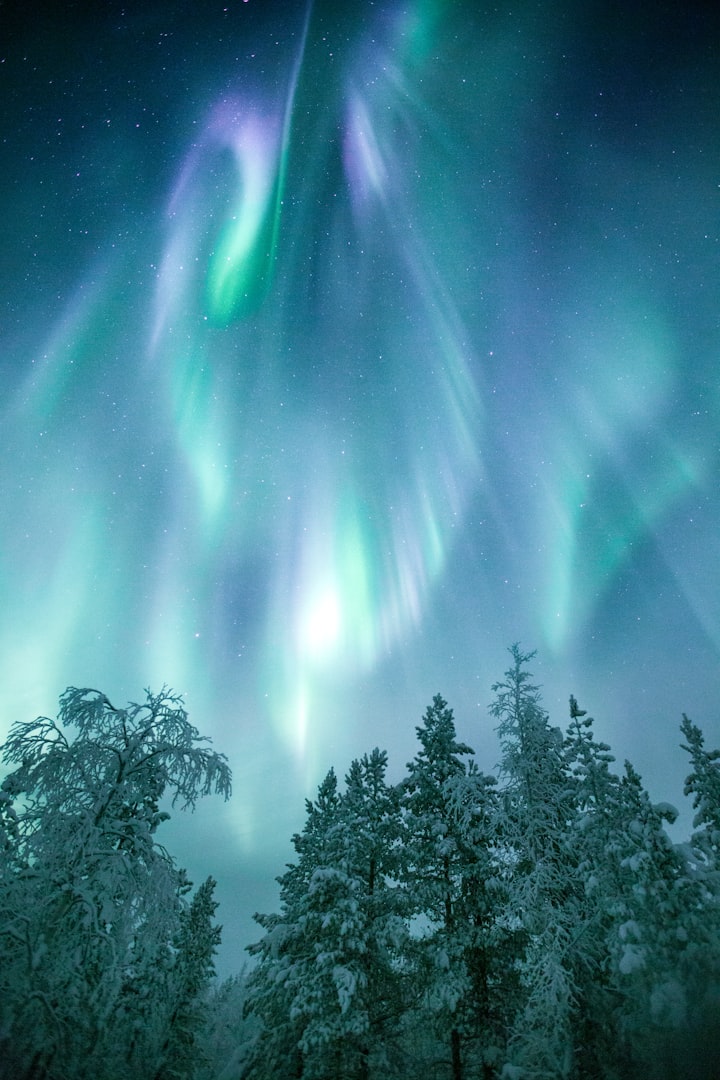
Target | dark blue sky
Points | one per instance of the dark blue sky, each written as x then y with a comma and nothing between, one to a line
340,351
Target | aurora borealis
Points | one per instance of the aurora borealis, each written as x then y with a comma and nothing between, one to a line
344,345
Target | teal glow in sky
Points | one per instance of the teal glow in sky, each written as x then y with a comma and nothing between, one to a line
340,351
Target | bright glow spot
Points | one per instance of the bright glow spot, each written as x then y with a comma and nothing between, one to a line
321,624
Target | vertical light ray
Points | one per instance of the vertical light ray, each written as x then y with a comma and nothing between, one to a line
64,598
200,423
367,566
593,518
70,346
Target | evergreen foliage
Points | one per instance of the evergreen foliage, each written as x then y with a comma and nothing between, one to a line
451,882
544,924
535,925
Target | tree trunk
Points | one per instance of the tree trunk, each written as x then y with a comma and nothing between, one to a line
456,1059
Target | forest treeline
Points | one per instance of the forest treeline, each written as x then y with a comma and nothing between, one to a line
537,923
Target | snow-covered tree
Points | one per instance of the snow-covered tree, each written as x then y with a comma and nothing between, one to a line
536,812
588,762
328,985
89,901
369,843
536,796
703,784
591,833
189,978
662,944
703,854
453,890
229,1035
286,953
639,925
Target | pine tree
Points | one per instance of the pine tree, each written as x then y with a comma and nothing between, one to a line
370,851
589,837
192,970
286,953
229,1035
702,955
328,985
535,793
589,764
703,784
536,811
653,912
451,883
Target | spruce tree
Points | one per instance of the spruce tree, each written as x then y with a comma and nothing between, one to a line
286,954
189,978
328,986
703,945
452,891
654,909
703,783
536,811
589,837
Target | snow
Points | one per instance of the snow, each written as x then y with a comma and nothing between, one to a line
667,811
632,959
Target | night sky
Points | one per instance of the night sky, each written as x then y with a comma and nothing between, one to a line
342,346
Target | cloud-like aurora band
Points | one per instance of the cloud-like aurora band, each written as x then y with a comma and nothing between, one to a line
303,434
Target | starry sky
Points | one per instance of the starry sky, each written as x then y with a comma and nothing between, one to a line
343,345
